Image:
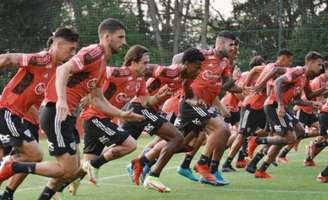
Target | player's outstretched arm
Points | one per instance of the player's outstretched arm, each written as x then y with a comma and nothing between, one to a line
9,60
100,102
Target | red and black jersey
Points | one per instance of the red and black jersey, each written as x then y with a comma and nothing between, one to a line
208,84
294,86
120,87
29,83
91,64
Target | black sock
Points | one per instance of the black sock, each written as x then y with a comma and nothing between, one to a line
228,161
284,153
325,172
261,140
23,167
64,185
241,155
144,160
98,162
46,194
214,166
203,160
154,174
256,159
264,167
186,162
321,144
8,194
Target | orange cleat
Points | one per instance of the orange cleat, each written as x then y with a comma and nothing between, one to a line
283,160
6,169
251,147
241,164
322,179
264,175
204,171
309,163
137,171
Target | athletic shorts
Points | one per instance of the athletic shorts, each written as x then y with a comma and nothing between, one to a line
279,125
251,120
100,133
323,120
62,137
153,121
194,118
233,119
13,130
305,118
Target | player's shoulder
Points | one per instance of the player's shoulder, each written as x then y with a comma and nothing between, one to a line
118,72
42,58
91,53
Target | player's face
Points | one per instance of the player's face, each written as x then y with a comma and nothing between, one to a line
65,50
315,66
226,47
116,40
193,69
286,61
142,64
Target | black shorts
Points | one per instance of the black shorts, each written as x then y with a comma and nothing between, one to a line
194,118
305,118
279,125
61,134
153,121
323,120
251,120
233,119
12,130
34,128
100,133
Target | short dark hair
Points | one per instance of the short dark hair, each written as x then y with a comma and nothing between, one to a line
135,54
256,61
285,52
226,34
192,55
67,34
110,25
313,55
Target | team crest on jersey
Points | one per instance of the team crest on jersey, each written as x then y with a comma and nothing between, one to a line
40,88
92,83
122,97
206,75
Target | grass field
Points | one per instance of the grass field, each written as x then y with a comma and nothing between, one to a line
292,182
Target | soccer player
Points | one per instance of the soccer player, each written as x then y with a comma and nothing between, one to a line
216,74
120,87
25,89
159,126
75,79
286,88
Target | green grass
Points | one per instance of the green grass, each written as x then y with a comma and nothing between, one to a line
292,181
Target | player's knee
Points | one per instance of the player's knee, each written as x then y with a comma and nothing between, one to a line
37,156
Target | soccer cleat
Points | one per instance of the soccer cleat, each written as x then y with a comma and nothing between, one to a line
241,163
187,173
251,147
91,171
154,183
251,169
6,168
322,179
309,163
228,168
72,188
145,171
283,160
264,175
137,170
220,181
204,171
